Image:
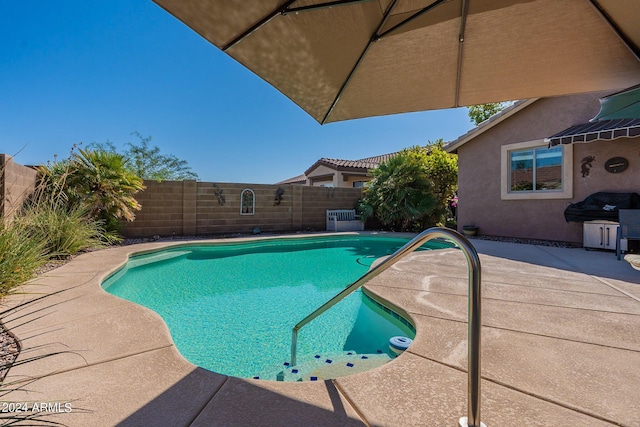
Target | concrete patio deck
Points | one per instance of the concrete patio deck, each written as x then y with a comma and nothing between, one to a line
561,347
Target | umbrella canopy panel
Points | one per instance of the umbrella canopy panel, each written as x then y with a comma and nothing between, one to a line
350,59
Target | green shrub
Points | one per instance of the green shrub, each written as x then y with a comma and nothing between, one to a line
20,256
45,228
76,206
102,181
412,190
65,230
401,193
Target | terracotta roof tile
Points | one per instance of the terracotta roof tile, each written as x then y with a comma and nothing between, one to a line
364,164
300,179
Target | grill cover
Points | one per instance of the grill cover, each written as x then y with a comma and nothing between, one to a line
602,205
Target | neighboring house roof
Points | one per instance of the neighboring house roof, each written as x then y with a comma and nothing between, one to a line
361,165
452,147
379,159
300,179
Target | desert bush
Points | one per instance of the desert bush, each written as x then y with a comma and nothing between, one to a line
412,190
20,256
101,181
65,230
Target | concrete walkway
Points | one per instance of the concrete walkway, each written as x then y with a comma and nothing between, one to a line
561,347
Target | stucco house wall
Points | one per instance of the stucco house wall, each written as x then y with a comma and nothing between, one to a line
349,180
321,175
479,171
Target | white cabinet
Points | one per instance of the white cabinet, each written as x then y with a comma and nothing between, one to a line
600,234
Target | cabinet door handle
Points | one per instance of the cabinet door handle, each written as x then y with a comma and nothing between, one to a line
601,236
608,237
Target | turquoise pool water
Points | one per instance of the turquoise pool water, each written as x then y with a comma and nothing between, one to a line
231,308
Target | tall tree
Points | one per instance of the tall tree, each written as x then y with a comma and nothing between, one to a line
148,162
481,112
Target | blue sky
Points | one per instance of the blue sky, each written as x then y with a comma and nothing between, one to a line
94,70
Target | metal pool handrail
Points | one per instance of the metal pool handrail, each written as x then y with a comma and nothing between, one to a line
474,338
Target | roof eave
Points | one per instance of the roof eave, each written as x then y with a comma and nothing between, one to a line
315,165
452,147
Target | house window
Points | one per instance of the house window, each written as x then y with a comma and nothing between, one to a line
359,184
536,169
532,170
247,202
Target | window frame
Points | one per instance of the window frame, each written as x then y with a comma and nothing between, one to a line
505,173
253,202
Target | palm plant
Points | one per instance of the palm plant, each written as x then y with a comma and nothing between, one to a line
401,194
105,184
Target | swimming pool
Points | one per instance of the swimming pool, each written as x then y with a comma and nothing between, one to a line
230,308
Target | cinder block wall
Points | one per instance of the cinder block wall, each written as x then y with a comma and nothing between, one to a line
17,182
316,200
203,208
188,208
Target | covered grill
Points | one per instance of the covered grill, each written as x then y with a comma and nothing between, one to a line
601,206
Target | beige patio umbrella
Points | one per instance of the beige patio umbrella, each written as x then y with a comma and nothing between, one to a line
347,59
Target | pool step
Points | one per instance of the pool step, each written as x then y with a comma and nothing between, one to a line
320,367
154,257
